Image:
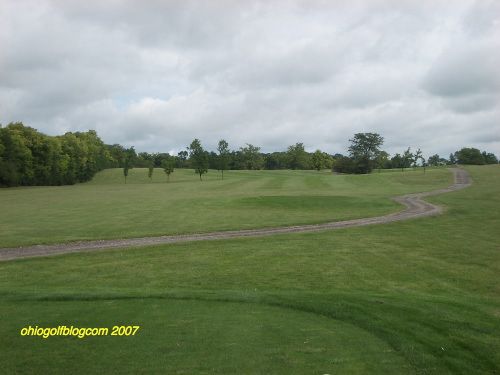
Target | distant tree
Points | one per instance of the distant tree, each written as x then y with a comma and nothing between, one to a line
168,165
453,159
397,161
407,158
470,156
118,154
224,155
434,160
348,165
198,158
151,168
142,160
321,160
489,158
296,156
364,148
129,158
213,159
381,160
251,157
182,157
416,157
126,168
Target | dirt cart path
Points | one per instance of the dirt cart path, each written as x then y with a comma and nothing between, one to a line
415,207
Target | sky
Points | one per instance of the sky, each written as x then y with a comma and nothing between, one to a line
157,74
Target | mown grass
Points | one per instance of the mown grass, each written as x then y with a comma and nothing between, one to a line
413,297
108,208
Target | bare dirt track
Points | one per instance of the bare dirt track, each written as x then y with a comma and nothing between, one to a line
415,208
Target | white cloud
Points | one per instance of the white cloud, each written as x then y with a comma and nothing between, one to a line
157,74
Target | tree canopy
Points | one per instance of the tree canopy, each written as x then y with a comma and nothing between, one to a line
364,149
28,157
198,157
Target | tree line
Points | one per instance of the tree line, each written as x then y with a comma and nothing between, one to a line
365,155
28,157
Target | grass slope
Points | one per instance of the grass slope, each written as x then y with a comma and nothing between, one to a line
414,297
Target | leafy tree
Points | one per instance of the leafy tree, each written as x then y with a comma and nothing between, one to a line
223,159
416,157
168,165
364,149
118,155
198,158
252,159
349,165
182,157
296,156
381,160
453,159
489,158
16,168
408,158
471,156
321,160
275,160
151,168
126,168
142,160
213,160
129,158
434,160
397,161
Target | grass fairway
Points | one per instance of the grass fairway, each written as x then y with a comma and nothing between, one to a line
413,297
108,208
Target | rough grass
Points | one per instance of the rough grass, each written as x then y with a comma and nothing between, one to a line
413,297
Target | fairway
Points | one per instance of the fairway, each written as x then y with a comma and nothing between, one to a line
412,297
108,208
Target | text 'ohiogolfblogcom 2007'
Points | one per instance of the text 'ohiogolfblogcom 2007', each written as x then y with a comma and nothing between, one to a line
79,332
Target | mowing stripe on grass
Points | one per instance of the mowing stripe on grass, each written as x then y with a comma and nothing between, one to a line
415,208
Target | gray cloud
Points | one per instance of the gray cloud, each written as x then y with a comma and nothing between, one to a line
156,74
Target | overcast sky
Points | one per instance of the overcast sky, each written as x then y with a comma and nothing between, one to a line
156,74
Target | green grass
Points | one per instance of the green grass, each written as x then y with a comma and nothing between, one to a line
413,297
108,208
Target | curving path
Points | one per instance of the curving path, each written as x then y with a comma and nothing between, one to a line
415,207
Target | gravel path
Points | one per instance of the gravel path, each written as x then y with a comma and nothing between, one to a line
415,207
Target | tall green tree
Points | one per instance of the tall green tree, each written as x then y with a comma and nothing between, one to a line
182,158
416,157
126,168
408,158
151,168
224,155
364,149
168,165
470,156
129,159
321,160
297,157
489,158
381,160
433,160
251,157
198,158
275,160
397,161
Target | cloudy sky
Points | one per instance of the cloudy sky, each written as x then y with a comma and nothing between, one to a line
155,74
